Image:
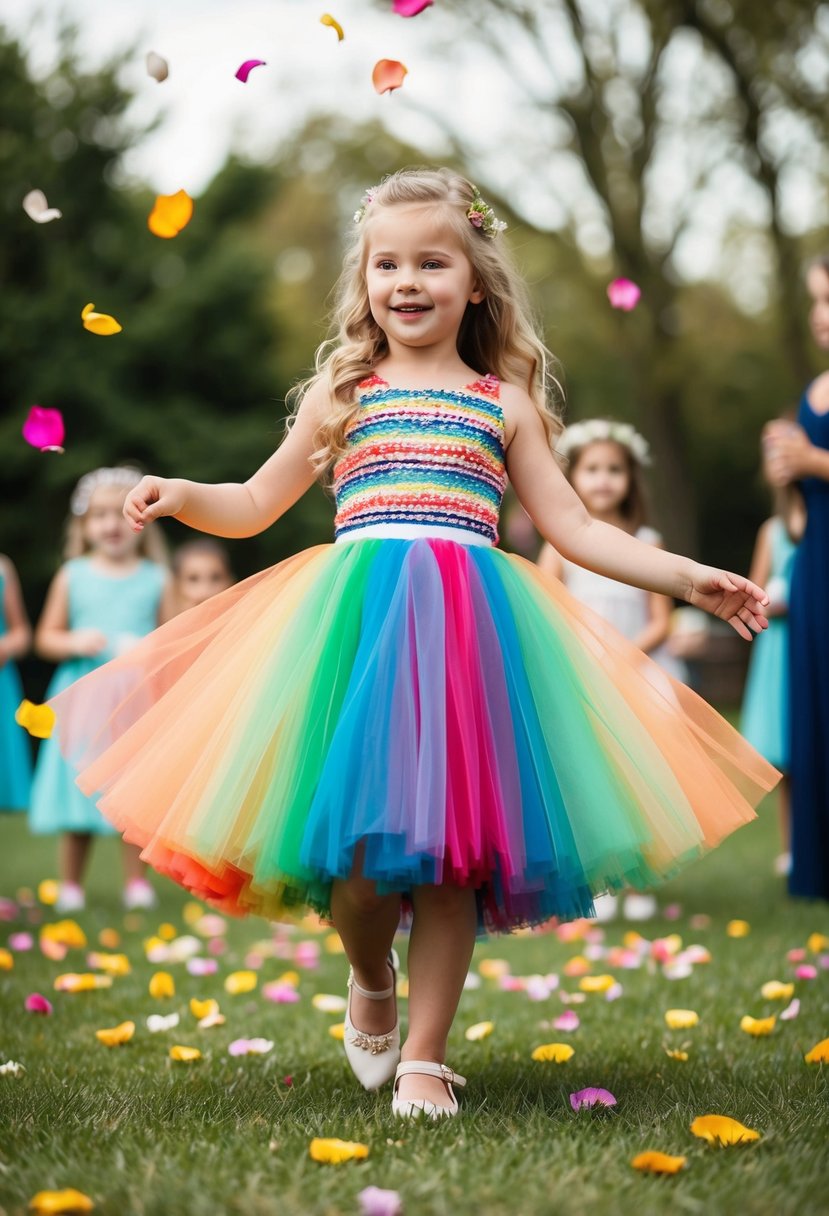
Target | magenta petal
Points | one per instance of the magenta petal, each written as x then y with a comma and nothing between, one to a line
44,428
591,1097
806,972
624,294
410,8
35,1003
245,69
374,1201
569,1020
280,994
21,941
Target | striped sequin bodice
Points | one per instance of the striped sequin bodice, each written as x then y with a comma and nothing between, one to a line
429,457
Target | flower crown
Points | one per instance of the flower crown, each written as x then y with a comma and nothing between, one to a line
597,429
479,213
123,477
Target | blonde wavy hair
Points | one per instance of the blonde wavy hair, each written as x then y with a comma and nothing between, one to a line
151,543
498,336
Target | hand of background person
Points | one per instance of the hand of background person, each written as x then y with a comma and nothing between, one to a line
786,452
730,597
86,643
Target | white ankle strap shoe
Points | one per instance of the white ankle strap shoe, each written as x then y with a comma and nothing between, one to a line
416,1107
373,1057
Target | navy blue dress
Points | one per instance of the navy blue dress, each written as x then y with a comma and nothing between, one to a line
809,655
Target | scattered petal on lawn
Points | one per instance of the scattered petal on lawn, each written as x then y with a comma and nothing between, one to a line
819,1053
280,994
327,1003
697,954
558,1053
493,968
210,1020
738,928
21,942
334,944
111,964
333,23
569,1020
757,1026
184,1055
797,955
681,1019
11,1068
334,1152
291,978
307,955
677,969
676,1055
35,1003
202,966
623,294
614,992
67,932
38,720
578,965
159,1022
337,1031
244,70
116,1036
720,1129
791,1011
37,208
481,1030
388,75
250,1047
85,981
157,66
6,959
201,1009
162,985
591,1097
99,322
110,939
170,214
806,972
410,8
774,990
239,982
652,1162
373,1200
596,983
56,951
49,1203
817,942
48,891
167,931
44,429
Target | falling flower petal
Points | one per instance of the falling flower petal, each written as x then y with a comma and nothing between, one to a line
201,1009
819,1053
35,1003
11,1068
738,928
676,1055
652,1162
116,1036
623,294
681,1019
596,983
720,1129
38,720
757,1026
44,429
333,23
158,1022
591,1097
99,322
50,1203
162,985
334,1152
170,214
775,991
239,982
184,1054
244,70
791,1011
37,209
388,75
410,8
373,1200
806,972
327,1003
157,66
558,1053
569,1020
250,1047
337,1031
481,1030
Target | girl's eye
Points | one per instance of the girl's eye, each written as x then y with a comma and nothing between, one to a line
432,265
385,265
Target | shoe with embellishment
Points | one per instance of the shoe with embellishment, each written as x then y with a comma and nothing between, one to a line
373,1057
417,1108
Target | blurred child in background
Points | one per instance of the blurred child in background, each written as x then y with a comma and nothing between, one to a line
15,639
201,568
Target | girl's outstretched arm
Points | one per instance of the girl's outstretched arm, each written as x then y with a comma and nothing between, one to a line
237,508
561,518
18,636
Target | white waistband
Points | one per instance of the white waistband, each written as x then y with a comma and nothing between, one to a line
413,532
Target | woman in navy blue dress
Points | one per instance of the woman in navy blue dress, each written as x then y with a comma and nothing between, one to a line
799,454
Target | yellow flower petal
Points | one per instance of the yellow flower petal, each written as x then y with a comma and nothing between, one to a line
334,944
337,1031
819,1053
652,1162
210,1020
817,943
757,1026
558,1053
167,932
162,985
681,1019
774,990
720,1129
239,982
738,928
578,965
481,1030
98,323
48,891
596,983
170,214
110,964
67,932
676,1055
110,939
334,1152
49,1203
192,912
86,981
327,19
203,1009
6,959
184,1054
38,720
115,1036
291,978
493,968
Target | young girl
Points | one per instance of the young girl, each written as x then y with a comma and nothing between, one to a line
105,598
201,568
410,711
15,638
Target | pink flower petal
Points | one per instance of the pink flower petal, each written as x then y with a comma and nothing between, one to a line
280,994
35,1003
388,75
44,429
591,1097
373,1200
623,294
244,70
21,942
202,966
288,1081
797,955
410,8
569,1020
806,972
791,1011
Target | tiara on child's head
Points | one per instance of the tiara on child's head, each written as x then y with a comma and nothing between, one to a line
479,213
596,430
123,477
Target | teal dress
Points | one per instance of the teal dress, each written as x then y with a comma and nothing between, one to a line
765,717
15,757
125,609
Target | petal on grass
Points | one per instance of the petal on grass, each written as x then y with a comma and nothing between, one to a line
327,1003
116,1036
159,1022
335,1152
38,720
819,1053
162,985
99,322
596,983
480,1030
333,23
569,1020
757,1026
653,1162
791,1011
557,1053
48,1203
239,982
375,1201
184,1055
722,1130
681,1019
35,1003
676,1055
11,1068
738,928
774,990
202,1009
250,1047
280,994
590,1097
337,1031
388,75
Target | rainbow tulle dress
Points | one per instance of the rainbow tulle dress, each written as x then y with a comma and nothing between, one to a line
410,699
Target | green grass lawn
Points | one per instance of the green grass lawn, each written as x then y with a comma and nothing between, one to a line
141,1134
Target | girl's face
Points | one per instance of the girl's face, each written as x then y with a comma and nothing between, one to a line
418,276
200,576
817,282
104,527
600,476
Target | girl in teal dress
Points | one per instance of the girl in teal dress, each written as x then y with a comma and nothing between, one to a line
105,598
15,637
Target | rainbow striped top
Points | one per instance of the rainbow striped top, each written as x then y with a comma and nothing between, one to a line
430,457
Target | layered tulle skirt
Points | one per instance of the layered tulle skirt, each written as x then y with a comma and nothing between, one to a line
419,711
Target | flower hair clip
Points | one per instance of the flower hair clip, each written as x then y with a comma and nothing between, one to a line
365,203
482,217
598,430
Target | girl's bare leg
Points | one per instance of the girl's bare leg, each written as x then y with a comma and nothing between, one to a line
367,923
74,854
133,866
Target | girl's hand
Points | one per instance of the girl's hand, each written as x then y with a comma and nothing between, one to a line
152,498
86,643
786,452
730,597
